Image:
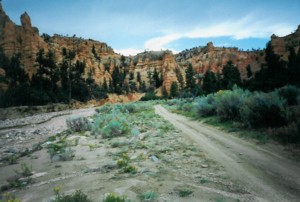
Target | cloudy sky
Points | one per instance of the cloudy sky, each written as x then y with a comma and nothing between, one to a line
131,26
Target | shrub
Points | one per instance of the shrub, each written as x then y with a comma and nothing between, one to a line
111,125
104,109
290,93
287,134
60,151
263,110
123,162
78,124
229,102
112,197
150,95
7,197
185,192
148,196
205,106
131,108
115,128
78,196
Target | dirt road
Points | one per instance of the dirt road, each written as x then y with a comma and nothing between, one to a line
267,174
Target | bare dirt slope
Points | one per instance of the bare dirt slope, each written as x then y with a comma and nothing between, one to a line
268,175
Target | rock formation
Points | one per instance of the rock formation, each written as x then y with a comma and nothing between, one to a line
100,59
214,58
281,44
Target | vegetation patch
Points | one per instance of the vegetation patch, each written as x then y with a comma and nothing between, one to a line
257,115
148,196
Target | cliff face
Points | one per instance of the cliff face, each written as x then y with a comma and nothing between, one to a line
100,59
281,44
25,39
214,58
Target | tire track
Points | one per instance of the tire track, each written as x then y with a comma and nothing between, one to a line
267,175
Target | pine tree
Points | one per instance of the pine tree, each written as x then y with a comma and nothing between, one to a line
231,76
138,77
210,83
156,79
174,89
68,57
294,67
165,93
179,78
190,79
249,72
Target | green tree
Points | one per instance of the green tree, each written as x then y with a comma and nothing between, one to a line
143,86
249,72
104,85
190,79
123,60
19,91
131,75
68,58
294,67
157,80
47,76
174,89
138,77
165,93
179,78
210,83
231,76
273,74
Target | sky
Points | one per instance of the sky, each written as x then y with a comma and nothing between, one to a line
133,26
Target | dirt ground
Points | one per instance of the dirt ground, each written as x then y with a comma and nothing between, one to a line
264,170
186,157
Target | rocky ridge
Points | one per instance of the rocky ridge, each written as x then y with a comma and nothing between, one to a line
100,59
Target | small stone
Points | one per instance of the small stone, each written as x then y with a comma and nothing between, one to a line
204,165
154,158
133,157
241,153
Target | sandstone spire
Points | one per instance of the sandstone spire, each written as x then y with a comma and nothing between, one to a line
25,20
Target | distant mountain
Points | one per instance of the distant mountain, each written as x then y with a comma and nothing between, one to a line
101,61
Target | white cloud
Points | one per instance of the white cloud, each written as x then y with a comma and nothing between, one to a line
247,27
129,51
158,43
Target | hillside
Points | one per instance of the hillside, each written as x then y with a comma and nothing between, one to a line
123,74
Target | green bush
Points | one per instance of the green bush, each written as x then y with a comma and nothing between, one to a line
205,106
104,109
150,95
78,124
60,151
78,196
114,128
185,192
290,93
263,110
287,134
148,196
111,124
130,108
112,197
229,102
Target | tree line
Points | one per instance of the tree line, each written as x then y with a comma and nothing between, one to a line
65,81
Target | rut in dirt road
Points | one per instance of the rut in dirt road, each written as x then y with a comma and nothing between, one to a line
266,174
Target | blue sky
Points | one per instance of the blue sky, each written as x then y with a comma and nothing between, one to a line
131,26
